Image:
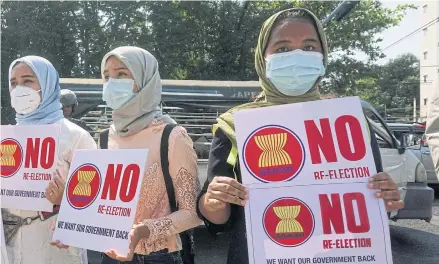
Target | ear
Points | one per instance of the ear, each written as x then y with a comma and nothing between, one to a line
135,88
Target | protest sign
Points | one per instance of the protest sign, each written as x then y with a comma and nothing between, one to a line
29,156
306,166
99,204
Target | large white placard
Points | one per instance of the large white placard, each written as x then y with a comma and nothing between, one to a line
306,166
29,155
99,206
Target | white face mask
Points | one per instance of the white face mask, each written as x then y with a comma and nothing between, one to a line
24,99
294,73
117,92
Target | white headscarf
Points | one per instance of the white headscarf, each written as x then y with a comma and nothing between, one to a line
143,108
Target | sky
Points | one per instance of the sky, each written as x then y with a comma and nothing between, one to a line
411,22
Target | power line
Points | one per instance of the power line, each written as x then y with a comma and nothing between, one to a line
413,32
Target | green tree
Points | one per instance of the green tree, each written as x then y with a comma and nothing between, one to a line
35,28
192,40
392,85
399,81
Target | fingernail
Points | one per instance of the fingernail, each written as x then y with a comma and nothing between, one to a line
378,195
371,179
370,185
243,203
245,190
246,197
389,203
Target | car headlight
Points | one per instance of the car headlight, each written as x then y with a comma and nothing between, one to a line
421,174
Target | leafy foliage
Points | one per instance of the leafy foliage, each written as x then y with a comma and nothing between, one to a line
210,40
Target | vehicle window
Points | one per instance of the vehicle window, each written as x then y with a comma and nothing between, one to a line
412,139
383,137
381,142
398,134
380,126
409,139
369,114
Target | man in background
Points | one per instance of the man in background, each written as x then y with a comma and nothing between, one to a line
69,102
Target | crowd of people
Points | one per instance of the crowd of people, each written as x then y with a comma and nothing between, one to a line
291,58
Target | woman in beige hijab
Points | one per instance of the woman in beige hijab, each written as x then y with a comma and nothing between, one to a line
133,89
290,41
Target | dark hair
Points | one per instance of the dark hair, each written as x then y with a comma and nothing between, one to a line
294,15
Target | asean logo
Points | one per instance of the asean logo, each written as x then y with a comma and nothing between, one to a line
11,157
83,187
288,222
273,154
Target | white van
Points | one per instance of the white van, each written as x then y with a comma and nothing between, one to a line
405,168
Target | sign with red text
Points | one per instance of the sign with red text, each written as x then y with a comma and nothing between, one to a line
301,144
324,223
307,166
29,156
100,200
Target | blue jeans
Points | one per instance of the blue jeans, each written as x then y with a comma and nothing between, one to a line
158,257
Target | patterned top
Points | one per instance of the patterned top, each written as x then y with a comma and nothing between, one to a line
153,208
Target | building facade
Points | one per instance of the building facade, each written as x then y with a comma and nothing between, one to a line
429,59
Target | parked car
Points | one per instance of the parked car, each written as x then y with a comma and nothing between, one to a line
413,136
405,168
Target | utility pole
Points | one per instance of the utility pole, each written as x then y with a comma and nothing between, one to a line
414,111
340,11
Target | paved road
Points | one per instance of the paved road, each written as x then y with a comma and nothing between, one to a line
413,242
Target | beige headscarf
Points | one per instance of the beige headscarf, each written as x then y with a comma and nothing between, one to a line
143,108
270,95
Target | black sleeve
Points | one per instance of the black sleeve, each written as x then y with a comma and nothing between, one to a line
84,126
218,166
375,149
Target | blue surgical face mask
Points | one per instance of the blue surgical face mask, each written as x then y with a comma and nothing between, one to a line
294,73
117,92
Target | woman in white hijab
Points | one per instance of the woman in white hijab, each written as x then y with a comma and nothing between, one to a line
35,96
133,89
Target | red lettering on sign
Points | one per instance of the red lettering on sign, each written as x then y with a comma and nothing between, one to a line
359,147
129,183
363,226
40,155
320,141
327,244
332,214
128,186
111,184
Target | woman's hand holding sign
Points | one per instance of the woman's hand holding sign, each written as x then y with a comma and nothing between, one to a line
55,190
388,190
57,243
222,191
138,232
